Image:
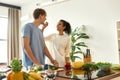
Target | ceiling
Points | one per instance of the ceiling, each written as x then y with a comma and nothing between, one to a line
16,2
22,2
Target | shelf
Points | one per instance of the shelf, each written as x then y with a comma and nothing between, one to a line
119,45
118,34
118,25
118,29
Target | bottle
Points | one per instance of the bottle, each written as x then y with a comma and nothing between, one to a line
67,68
84,58
45,67
88,55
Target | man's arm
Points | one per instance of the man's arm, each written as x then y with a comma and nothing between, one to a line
28,50
49,56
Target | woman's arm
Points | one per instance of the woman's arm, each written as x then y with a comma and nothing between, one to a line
49,56
67,50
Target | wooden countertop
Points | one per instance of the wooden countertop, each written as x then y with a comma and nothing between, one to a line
113,76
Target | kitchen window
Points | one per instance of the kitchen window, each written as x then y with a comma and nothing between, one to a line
3,39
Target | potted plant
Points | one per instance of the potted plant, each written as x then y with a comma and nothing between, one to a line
76,44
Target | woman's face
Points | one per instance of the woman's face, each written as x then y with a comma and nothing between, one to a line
60,26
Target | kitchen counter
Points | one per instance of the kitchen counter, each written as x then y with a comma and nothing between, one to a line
62,76
114,76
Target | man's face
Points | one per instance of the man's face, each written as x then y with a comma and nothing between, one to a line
43,18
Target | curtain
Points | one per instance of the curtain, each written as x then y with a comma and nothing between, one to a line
13,34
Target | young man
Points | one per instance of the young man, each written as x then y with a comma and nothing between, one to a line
34,47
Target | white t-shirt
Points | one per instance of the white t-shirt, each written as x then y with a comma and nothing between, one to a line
59,47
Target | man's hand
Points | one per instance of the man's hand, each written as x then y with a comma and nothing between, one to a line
38,64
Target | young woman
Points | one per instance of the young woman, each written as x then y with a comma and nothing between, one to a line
59,44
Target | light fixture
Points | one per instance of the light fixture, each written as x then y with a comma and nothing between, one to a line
49,2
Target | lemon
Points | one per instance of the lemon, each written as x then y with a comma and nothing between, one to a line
77,65
77,71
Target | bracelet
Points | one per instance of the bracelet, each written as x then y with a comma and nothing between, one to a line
53,61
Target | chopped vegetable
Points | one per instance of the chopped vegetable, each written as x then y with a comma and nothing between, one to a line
53,67
36,68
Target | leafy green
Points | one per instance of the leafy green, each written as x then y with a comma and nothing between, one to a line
75,77
88,67
52,67
26,75
104,65
36,68
116,66
1,74
16,65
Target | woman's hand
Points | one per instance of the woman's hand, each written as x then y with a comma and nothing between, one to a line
44,26
55,63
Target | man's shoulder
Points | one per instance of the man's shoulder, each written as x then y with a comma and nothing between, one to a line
28,24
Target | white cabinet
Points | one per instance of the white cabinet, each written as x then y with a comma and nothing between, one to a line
118,36
118,33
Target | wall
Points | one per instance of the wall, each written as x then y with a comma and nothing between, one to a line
99,16
3,11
